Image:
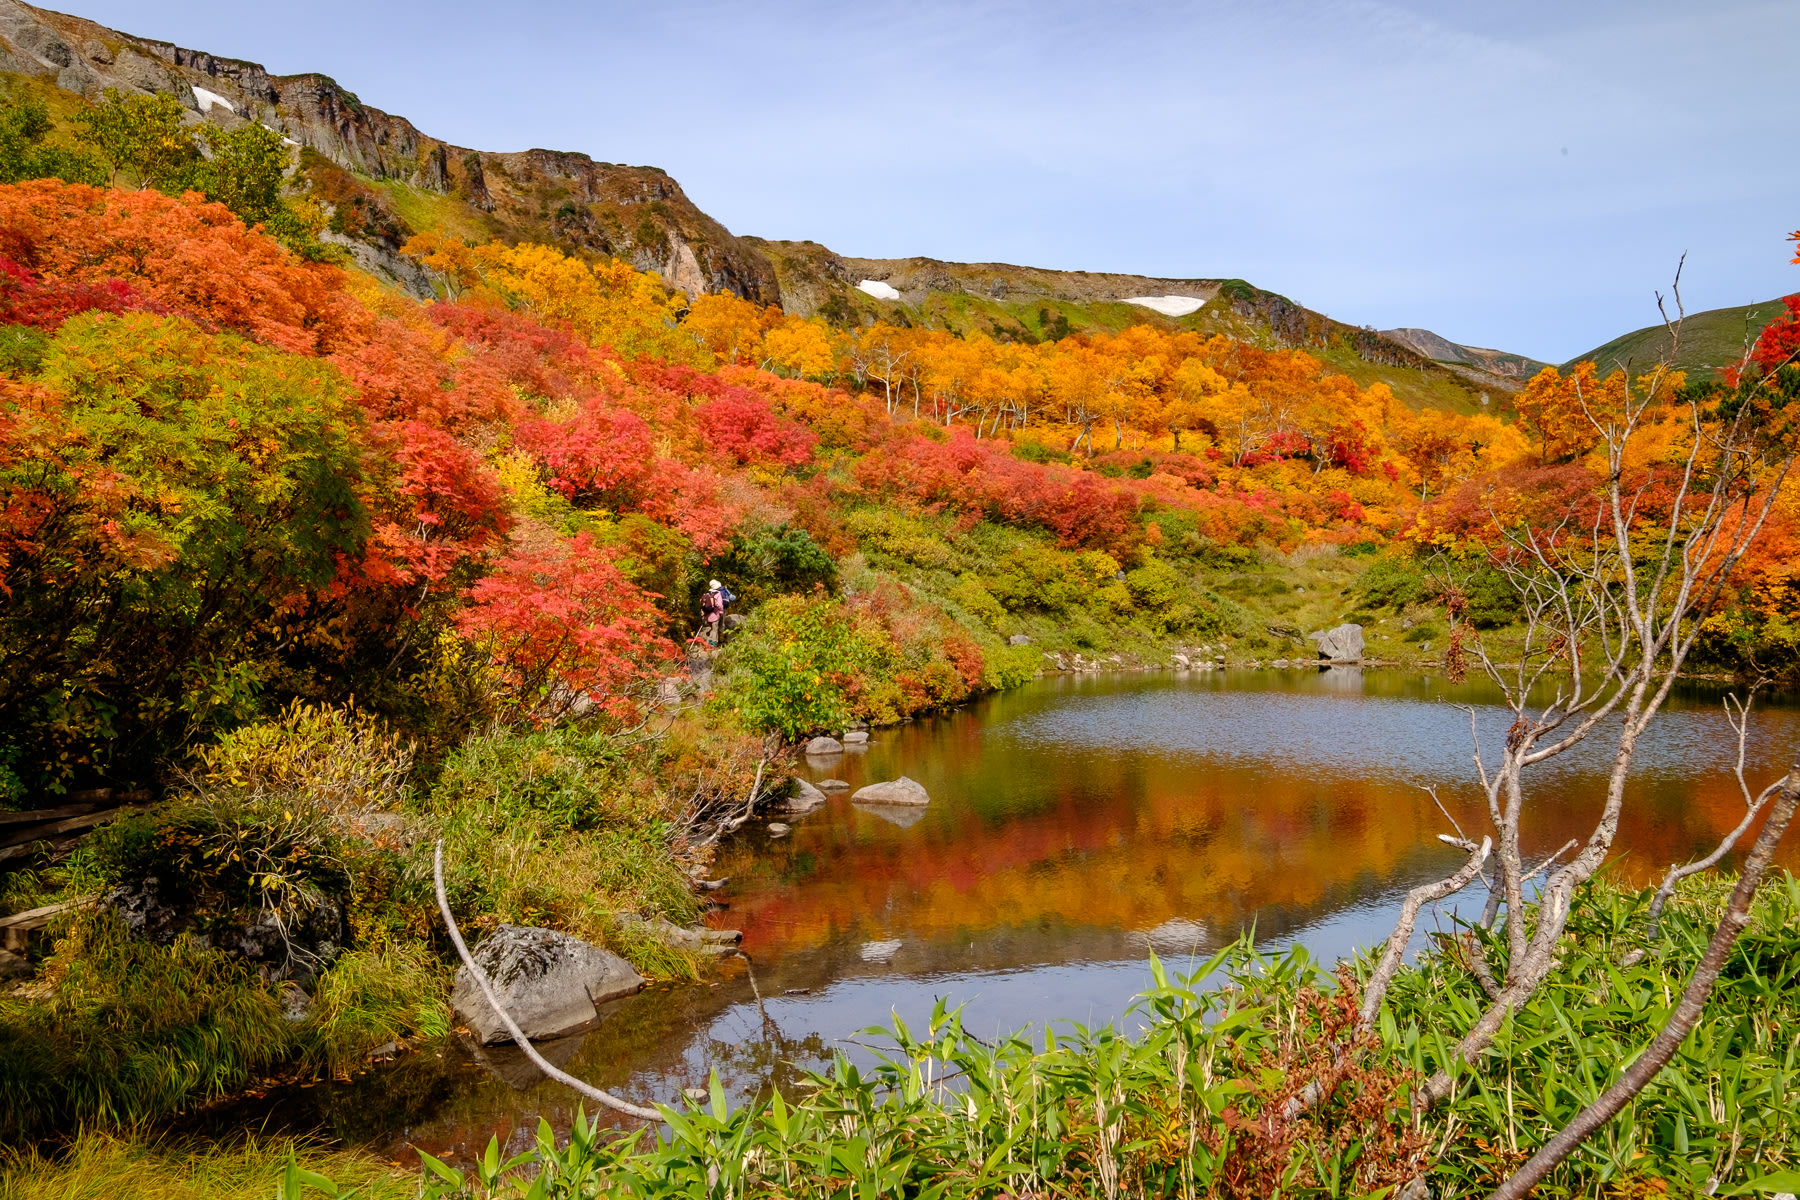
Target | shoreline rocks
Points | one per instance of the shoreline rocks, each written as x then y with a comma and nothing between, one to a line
902,791
806,797
549,982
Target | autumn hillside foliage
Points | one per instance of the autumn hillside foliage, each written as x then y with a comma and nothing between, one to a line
234,476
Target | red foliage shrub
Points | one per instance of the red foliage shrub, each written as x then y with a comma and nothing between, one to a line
564,625
741,427
192,256
25,300
963,474
441,507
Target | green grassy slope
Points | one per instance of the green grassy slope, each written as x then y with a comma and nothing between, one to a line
1710,341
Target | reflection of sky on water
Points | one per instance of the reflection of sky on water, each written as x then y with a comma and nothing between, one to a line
1074,824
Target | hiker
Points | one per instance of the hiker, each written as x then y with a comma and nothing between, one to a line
712,609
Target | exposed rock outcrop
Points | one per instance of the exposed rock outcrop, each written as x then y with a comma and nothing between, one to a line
637,213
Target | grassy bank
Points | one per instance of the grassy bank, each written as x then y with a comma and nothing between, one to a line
99,1166
275,919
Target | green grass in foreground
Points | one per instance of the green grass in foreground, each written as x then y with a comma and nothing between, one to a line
100,1166
1193,1105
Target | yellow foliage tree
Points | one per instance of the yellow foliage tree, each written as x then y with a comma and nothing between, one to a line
607,304
730,327
801,348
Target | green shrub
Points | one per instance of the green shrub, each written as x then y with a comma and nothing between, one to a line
1492,601
789,666
975,599
771,561
1008,667
1393,582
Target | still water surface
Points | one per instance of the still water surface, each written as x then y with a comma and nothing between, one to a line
1073,824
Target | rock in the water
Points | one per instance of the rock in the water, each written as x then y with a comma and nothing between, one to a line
806,797
1018,639
548,981
894,791
833,785
856,737
879,952
777,829
1343,644
824,745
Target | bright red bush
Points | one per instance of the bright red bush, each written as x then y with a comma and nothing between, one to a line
739,426
566,628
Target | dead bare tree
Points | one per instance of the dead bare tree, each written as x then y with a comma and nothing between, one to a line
1681,1022
1613,598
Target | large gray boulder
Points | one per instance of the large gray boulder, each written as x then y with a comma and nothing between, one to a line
548,981
824,745
902,791
806,797
1343,644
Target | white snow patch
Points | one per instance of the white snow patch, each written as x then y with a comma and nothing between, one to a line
878,289
1168,306
206,100
285,139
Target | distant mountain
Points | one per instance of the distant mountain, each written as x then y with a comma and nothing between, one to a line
1710,341
383,180
1442,349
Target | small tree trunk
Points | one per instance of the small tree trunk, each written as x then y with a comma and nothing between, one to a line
1686,1015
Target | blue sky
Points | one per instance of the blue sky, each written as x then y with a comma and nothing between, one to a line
1520,175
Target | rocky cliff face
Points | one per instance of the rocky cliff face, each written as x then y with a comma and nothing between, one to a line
361,155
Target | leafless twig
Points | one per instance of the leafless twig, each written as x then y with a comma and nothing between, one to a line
487,990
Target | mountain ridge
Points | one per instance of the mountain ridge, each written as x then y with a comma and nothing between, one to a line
382,180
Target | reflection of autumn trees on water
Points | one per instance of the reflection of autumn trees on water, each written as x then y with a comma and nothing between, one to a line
1130,841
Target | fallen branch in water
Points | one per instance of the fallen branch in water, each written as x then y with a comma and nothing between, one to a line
487,989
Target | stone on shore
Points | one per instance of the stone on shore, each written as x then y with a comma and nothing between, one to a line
548,981
806,797
894,791
824,745
1343,644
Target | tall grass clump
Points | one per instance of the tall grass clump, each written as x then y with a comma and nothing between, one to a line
99,1166
124,1031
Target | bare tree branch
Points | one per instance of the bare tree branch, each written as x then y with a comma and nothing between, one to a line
1428,893
1681,1022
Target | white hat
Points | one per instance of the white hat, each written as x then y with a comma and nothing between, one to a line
715,585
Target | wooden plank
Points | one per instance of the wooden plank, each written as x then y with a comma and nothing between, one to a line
35,816
58,828
37,918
